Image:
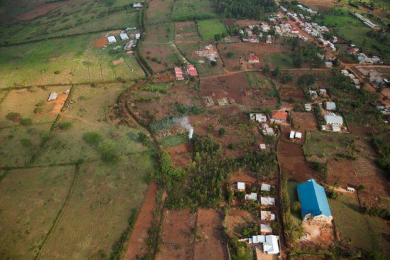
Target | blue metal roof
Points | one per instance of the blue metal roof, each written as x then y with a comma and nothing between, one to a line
313,200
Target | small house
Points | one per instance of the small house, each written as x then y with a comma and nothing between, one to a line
265,187
260,118
350,189
308,107
292,134
267,216
267,130
333,119
262,147
330,106
298,135
270,243
52,96
279,117
111,40
137,5
192,70
253,58
267,201
240,186
124,36
251,196
178,74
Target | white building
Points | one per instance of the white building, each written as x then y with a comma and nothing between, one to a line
333,119
124,36
52,96
330,106
111,39
265,187
270,243
267,216
265,229
240,186
260,118
267,201
251,196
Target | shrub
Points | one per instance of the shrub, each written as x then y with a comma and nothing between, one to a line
26,121
13,116
26,142
65,125
109,152
92,138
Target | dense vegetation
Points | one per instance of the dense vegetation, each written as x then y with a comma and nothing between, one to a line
245,8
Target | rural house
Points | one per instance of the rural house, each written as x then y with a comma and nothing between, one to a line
270,243
253,59
240,186
111,40
313,201
178,74
279,117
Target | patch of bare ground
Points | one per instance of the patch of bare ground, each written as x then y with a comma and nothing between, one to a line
319,4
317,233
292,160
136,247
291,93
236,218
304,121
180,155
177,235
210,240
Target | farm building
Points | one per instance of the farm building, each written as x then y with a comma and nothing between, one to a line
192,70
111,39
260,118
313,200
178,74
124,36
267,216
253,58
267,201
52,96
251,196
240,186
330,106
279,117
270,243
265,187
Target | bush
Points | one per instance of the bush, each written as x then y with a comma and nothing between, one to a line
109,152
64,125
13,116
92,138
26,121
221,132
26,142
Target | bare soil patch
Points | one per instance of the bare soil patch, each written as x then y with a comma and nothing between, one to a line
101,42
304,121
319,4
236,218
177,238
180,155
137,242
291,93
317,233
209,243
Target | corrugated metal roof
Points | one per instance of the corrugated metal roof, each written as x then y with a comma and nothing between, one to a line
313,199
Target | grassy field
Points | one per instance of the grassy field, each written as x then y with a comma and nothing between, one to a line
325,146
174,140
208,28
192,10
369,233
258,81
352,29
293,197
29,202
281,60
75,17
68,60
159,11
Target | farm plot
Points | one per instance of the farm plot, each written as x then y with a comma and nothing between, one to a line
158,12
209,28
74,18
209,244
235,55
186,31
85,132
177,235
30,200
292,161
157,48
366,232
291,93
204,67
192,10
304,121
30,106
104,198
63,61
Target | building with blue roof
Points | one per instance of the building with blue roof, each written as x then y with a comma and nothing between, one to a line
313,200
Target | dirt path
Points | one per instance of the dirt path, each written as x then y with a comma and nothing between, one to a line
136,247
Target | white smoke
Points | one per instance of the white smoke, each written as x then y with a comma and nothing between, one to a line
184,122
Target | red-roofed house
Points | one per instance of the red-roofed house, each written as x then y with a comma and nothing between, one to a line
253,58
178,74
192,70
279,117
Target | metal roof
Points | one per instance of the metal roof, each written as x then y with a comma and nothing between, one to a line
313,199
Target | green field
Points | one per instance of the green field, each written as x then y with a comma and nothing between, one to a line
174,140
192,10
366,232
69,60
208,28
258,81
281,60
75,18
323,146
352,29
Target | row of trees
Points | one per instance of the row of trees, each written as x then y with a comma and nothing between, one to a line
256,9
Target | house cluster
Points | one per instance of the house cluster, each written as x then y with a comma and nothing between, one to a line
256,33
189,70
376,79
209,52
270,242
367,21
295,135
129,36
278,117
315,94
307,10
352,77
361,57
